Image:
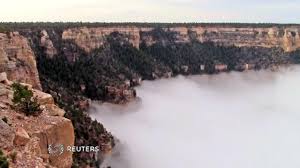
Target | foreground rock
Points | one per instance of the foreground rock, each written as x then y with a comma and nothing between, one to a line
26,138
7,136
87,131
21,137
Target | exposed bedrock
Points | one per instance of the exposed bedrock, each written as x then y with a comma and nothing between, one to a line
18,60
286,38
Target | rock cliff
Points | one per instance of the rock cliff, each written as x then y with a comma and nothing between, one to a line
92,38
18,60
26,138
47,44
286,38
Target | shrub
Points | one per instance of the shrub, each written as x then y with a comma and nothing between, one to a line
3,29
24,100
3,160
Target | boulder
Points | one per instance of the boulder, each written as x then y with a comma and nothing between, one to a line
84,104
53,110
29,87
119,95
43,98
59,132
21,138
6,135
3,77
136,81
184,68
221,67
3,91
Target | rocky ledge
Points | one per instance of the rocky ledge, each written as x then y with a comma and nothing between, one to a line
25,139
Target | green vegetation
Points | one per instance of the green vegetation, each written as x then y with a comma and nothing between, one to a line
64,25
3,29
195,54
3,160
295,56
24,101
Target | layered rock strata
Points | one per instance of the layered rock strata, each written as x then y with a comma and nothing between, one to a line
286,38
18,60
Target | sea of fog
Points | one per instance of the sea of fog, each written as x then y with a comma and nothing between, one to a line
230,120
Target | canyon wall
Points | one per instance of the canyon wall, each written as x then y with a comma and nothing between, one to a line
25,139
222,48
92,38
287,38
18,60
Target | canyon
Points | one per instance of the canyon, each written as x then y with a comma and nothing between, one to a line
75,64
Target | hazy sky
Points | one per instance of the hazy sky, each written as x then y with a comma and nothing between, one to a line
281,11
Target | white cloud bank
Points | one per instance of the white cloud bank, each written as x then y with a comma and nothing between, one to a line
235,120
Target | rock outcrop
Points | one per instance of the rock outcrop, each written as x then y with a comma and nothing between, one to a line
286,38
27,138
120,95
47,44
21,137
92,38
18,60
7,135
